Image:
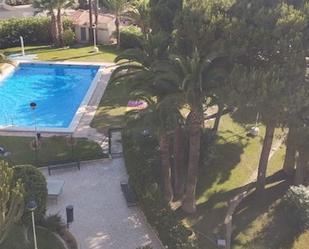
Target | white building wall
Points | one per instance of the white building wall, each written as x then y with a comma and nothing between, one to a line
105,31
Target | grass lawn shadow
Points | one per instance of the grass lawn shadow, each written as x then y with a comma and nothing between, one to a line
259,222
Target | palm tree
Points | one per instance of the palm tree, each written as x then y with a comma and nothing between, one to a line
141,68
140,13
62,4
197,79
118,8
50,6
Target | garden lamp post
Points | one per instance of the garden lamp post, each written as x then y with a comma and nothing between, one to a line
31,206
95,48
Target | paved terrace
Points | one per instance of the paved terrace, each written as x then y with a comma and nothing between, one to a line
102,219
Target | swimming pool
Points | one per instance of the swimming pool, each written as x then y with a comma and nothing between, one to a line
59,91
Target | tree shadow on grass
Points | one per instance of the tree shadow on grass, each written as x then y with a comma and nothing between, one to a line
254,209
225,157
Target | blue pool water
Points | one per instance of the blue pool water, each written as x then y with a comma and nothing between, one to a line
58,91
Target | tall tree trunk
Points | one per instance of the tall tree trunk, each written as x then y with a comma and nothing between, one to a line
267,143
196,119
54,29
90,21
290,154
166,166
300,167
117,23
96,16
218,118
60,27
178,163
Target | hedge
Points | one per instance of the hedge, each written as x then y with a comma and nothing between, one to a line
130,37
35,187
143,166
34,30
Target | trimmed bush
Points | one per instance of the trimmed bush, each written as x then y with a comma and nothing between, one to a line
34,30
130,37
143,165
296,206
35,187
53,223
68,37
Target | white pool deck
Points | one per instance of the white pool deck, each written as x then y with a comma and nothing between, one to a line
102,219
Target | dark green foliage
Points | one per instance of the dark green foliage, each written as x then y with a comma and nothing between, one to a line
143,165
68,37
296,206
202,27
162,14
18,2
208,146
34,30
53,223
131,37
35,187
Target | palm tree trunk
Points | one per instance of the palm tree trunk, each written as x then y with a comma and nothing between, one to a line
60,27
218,118
290,154
54,29
166,166
90,21
196,119
267,143
178,161
117,23
300,167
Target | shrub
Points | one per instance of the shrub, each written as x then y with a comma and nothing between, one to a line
68,37
35,187
53,223
130,37
34,30
143,165
296,206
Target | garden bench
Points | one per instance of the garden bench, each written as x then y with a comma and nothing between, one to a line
63,166
129,194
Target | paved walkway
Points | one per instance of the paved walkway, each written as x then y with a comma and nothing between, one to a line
102,219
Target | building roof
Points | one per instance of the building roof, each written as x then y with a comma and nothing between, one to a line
81,17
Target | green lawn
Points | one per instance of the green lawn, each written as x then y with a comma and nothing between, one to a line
53,150
16,239
235,161
107,53
112,108
260,223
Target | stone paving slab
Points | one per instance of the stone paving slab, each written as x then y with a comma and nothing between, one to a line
102,219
